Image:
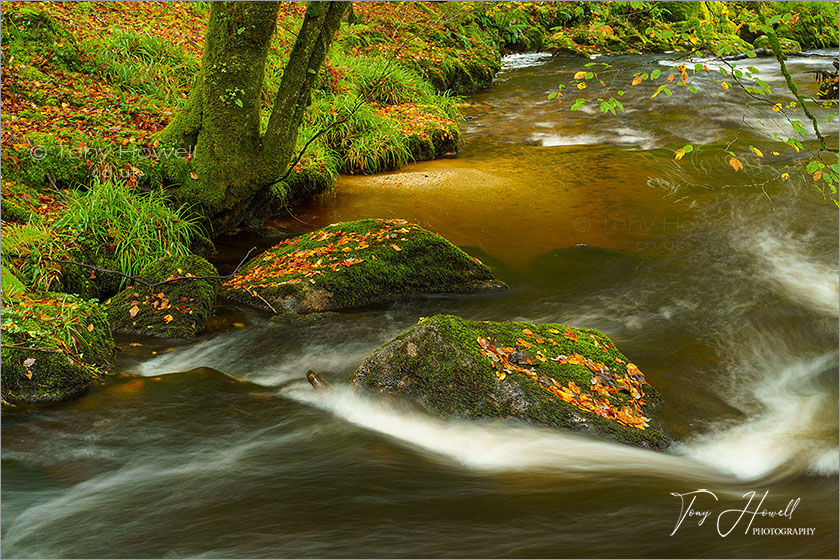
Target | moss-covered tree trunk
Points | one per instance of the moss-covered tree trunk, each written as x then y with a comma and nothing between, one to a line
233,162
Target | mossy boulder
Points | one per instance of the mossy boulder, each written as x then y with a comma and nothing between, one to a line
789,46
54,346
177,308
547,374
355,263
724,44
86,282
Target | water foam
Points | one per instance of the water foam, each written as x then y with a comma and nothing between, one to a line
500,447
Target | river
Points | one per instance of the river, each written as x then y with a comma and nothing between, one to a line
722,286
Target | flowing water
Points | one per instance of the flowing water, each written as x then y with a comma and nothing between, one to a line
723,290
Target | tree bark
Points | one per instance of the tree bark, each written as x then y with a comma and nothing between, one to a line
232,162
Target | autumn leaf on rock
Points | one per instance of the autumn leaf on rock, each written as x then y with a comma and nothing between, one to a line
637,80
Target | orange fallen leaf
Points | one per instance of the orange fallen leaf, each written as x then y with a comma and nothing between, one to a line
90,327
133,311
168,318
395,247
736,164
194,175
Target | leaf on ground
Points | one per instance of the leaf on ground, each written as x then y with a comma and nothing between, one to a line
133,311
736,164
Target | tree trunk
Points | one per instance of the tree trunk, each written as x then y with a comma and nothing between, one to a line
232,163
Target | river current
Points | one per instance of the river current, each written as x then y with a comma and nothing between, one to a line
721,285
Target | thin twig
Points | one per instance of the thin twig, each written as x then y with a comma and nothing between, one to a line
139,279
35,348
254,293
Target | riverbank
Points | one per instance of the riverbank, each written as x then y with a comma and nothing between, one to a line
93,98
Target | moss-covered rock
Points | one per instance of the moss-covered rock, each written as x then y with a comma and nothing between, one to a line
355,263
789,46
179,308
54,346
546,374
85,282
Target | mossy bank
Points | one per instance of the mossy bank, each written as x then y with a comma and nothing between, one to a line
547,374
356,263
54,346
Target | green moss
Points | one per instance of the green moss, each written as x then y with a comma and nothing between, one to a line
73,341
356,263
439,364
85,282
789,46
176,309
14,212
65,169
723,44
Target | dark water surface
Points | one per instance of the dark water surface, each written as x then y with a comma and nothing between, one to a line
217,447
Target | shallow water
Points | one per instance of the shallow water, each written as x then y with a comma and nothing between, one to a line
218,448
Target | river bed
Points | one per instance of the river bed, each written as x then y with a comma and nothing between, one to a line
721,286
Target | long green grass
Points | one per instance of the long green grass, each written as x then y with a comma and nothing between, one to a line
364,141
139,227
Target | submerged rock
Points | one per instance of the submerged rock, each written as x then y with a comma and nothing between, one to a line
546,374
355,263
179,308
54,346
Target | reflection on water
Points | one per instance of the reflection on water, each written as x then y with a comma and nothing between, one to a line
217,448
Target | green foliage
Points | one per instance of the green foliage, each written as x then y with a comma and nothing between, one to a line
366,142
145,64
388,83
812,24
26,250
139,226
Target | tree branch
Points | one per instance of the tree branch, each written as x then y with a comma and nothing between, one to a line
140,279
